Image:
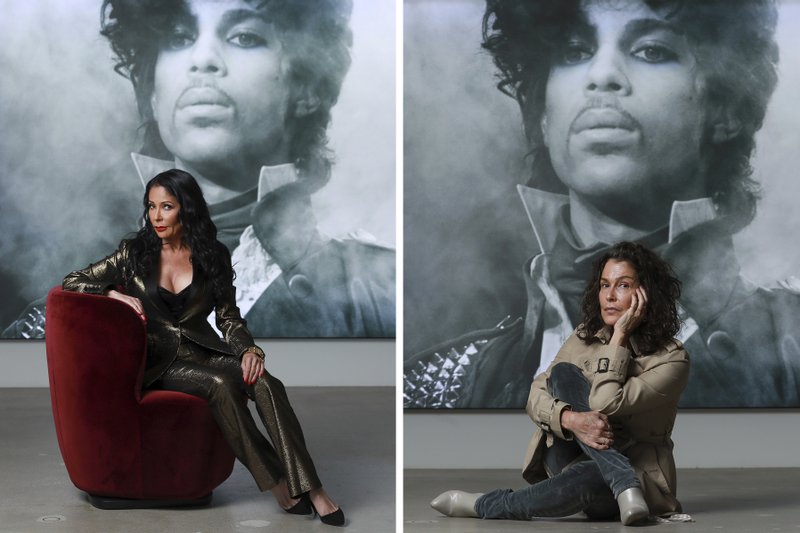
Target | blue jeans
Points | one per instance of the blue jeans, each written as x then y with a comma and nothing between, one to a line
590,485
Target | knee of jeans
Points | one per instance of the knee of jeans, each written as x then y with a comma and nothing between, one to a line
562,371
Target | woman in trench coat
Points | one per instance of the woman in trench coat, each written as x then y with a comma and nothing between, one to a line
605,407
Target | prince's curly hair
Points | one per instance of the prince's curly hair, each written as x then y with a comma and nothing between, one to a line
733,42
661,322
317,39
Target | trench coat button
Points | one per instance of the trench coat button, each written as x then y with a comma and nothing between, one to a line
300,286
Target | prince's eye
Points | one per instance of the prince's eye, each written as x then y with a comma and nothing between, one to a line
653,53
178,37
575,52
246,39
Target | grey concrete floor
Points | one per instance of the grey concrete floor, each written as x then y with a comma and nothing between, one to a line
350,432
719,500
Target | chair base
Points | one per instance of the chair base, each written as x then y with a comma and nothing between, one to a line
109,503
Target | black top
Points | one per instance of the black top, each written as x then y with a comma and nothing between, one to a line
176,303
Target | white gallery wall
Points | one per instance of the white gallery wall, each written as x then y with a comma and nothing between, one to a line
298,363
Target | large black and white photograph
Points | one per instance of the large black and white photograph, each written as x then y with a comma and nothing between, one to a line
538,134
283,110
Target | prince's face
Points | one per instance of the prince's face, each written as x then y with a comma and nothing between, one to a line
221,94
624,114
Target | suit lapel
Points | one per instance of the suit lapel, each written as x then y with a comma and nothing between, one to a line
197,294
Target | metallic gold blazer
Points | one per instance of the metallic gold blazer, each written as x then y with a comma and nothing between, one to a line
164,332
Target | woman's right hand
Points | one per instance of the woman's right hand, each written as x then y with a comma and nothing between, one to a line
631,319
135,303
591,428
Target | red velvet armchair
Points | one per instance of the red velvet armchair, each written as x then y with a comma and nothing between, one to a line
125,447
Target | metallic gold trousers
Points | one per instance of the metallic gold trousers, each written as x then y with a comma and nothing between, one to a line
218,379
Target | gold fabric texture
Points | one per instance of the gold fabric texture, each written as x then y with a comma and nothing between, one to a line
164,332
218,379
187,355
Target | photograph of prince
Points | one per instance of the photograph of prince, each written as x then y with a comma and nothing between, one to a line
240,93
640,122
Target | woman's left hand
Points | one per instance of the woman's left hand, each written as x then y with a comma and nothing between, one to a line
631,319
252,367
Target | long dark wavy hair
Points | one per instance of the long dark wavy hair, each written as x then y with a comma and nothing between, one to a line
661,322
733,42
199,232
316,38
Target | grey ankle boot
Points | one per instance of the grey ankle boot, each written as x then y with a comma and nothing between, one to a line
632,507
456,503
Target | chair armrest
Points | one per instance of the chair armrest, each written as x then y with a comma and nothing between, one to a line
96,343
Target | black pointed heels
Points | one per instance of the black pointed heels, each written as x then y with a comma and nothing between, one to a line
302,507
335,518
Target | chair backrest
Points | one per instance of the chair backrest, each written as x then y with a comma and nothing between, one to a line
96,349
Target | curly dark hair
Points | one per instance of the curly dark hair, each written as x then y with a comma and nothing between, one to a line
661,322
208,255
732,41
316,37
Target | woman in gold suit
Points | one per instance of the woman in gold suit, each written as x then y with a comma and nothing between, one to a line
173,273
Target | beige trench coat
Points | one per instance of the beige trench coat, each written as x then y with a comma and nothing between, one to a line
639,393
